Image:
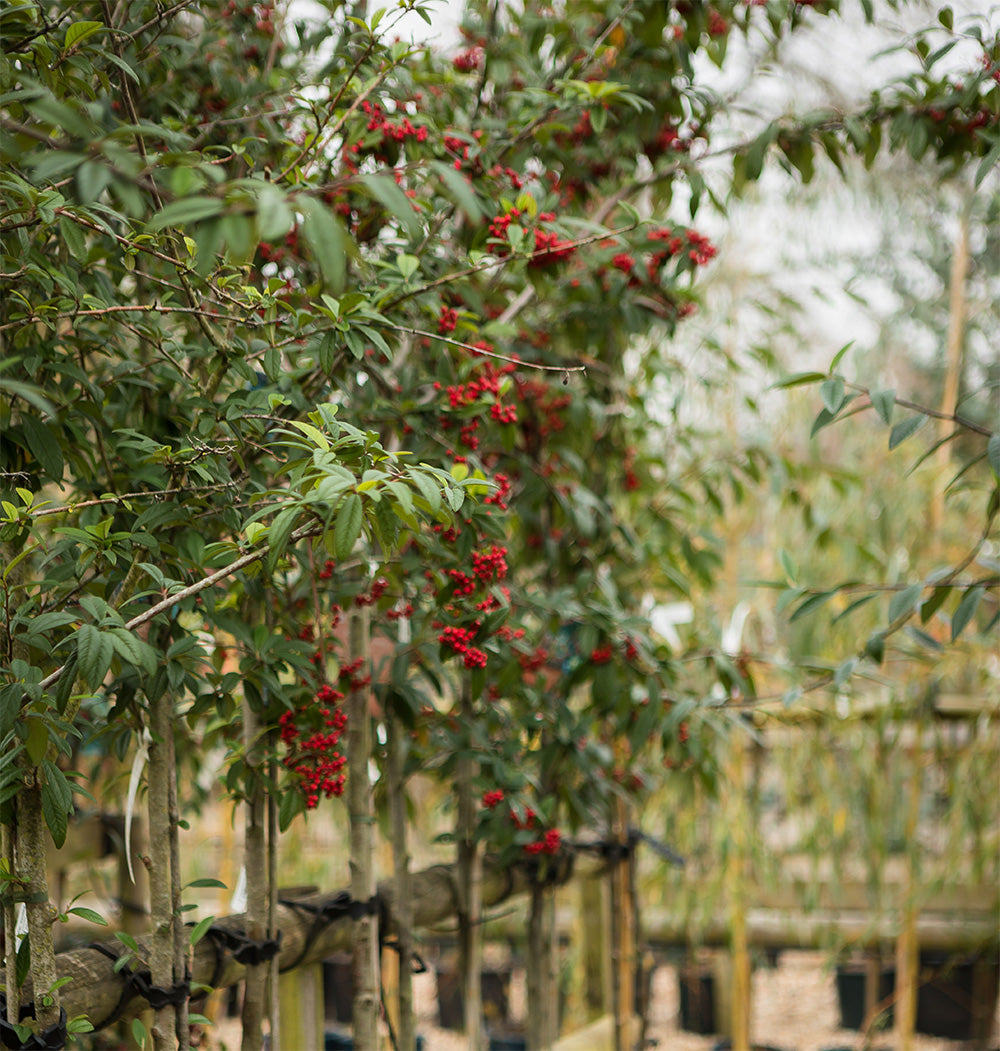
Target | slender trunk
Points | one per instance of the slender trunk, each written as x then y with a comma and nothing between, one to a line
405,1022
469,864
181,960
29,853
10,924
539,992
736,876
953,358
907,944
272,902
359,798
623,931
161,896
255,810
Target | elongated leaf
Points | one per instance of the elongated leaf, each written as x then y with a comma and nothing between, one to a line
428,489
883,402
965,611
44,446
904,601
79,31
95,650
831,391
133,650
278,534
326,237
391,197
347,527
993,452
55,812
905,429
932,604
186,211
811,604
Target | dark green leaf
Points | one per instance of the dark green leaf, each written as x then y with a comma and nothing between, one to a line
811,604
278,535
993,452
384,189
347,527
327,239
905,428
55,812
883,402
965,611
44,446
186,211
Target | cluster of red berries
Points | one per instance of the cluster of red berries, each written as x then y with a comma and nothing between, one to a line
602,655
377,591
392,132
717,25
548,844
490,565
447,320
468,60
459,640
310,735
493,798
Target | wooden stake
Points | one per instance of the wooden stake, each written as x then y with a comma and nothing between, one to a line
469,858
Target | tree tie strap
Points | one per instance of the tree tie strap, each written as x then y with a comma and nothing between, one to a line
244,950
140,983
340,906
51,1039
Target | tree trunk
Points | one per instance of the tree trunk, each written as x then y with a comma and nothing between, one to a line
161,893
255,859
180,937
405,1023
362,818
470,946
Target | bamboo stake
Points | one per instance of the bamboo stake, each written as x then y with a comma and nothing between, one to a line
908,944
362,818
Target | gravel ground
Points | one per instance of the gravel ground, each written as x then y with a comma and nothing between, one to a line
795,1009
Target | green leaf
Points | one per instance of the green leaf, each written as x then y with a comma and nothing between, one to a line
428,489
811,604
384,189
87,914
199,929
184,212
931,605
883,402
79,31
965,611
904,602
292,804
278,534
831,391
274,216
132,649
799,379
95,651
993,453
55,812
788,565
326,237
44,446
347,527
875,647
207,882
460,191
905,429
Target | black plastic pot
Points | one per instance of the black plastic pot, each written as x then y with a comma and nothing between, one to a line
494,986
851,994
697,999
951,1003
